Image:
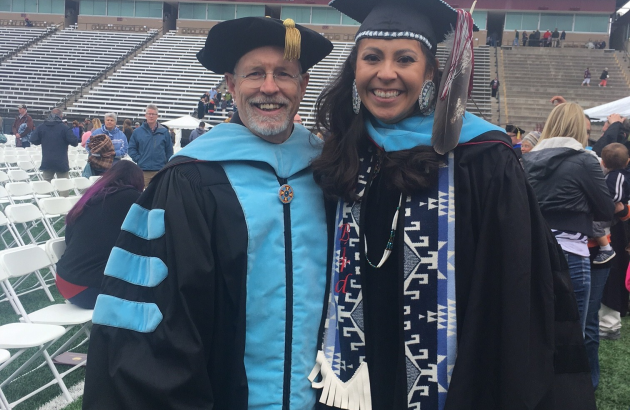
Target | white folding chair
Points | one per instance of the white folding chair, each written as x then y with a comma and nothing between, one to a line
29,167
23,261
8,227
74,199
10,160
81,183
55,248
4,178
18,175
79,166
20,192
10,140
23,336
53,210
4,356
5,199
94,178
26,214
63,185
43,189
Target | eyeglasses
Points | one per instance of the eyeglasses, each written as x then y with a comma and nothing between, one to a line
257,78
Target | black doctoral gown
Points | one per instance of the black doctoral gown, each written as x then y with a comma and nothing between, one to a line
520,344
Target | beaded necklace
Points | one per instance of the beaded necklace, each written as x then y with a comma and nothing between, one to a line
392,233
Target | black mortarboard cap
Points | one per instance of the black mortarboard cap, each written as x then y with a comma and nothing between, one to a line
228,41
428,21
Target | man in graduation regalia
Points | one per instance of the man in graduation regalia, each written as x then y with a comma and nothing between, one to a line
212,294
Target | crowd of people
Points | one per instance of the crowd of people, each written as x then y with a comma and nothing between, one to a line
149,145
535,38
372,267
214,101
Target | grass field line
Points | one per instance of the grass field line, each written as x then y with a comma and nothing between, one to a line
60,402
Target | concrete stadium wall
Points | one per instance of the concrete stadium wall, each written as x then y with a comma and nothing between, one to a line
86,22
333,33
48,18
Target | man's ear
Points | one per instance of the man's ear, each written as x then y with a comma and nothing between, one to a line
304,83
229,79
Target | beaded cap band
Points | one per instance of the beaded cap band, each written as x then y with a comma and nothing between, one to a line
392,34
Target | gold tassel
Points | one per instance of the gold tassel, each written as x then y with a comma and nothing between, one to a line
292,41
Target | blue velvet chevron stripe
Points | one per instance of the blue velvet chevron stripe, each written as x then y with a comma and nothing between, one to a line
144,223
126,314
136,269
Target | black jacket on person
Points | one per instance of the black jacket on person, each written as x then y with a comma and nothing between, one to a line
614,133
201,110
54,136
604,75
570,188
90,239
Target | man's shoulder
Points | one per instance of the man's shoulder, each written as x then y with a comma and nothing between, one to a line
197,172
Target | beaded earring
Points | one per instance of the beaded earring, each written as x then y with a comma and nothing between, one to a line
425,100
356,100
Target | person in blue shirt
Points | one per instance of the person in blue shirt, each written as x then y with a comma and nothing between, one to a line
118,137
150,145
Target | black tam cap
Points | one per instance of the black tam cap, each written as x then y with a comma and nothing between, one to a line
228,41
428,21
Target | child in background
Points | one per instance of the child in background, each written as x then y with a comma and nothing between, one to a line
614,160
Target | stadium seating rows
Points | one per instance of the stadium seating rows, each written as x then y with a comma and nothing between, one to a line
12,38
168,74
165,73
44,74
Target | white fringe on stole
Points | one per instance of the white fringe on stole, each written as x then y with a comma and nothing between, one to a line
351,395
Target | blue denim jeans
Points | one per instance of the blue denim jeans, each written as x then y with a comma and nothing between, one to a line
591,335
580,270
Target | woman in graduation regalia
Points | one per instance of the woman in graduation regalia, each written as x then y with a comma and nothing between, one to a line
446,289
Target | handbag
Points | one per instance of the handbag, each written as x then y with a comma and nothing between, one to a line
87,171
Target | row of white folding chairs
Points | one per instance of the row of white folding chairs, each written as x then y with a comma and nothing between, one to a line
39,329
75,184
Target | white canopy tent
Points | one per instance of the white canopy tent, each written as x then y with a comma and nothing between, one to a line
182,123
186,123
600,113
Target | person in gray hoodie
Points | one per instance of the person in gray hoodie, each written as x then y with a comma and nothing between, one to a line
198,132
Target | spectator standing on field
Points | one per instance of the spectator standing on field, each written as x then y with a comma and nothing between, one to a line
198,132
563,37
22,118
54,137
150,146
525,38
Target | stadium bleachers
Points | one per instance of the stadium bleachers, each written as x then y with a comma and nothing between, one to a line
168,74
12,38
532,75
59,65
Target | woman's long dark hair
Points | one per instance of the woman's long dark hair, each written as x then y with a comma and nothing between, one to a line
123,174
336,170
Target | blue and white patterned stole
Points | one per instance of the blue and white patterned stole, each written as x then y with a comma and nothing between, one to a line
428,293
